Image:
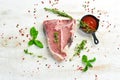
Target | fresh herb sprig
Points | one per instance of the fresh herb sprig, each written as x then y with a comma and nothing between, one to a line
34,34
60,13
79,48
88,63
56,37
83,24
85,27
27,52
32,54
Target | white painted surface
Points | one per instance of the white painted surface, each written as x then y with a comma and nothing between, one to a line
12,67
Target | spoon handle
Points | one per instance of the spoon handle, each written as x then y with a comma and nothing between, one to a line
96,41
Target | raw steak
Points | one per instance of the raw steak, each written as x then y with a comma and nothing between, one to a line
59,34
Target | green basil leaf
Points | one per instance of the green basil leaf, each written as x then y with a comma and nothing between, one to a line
89,64
84,58
31,42
38,43
92,60
85,69
33,32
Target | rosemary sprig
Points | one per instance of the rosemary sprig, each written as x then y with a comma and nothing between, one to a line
60,13
85,27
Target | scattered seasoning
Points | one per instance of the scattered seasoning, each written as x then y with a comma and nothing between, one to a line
26,28
49,66
23,58
4,24
16,37
96,77
19,43
17,25
75,78
23,40
37,60
35,4
46,16
9,38
49,1
114,26
34,11
35,17
55,63
22,34
28,11
34,23
37,68
42,2
27,35
46,64
118,48
105,55
58,66
80,68
108,30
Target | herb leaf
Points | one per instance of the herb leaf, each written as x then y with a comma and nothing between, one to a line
30,53
60,13
92,60
85,27
31,42
88,63
83,24
33,32
84,58
38,43
40,56
56,37
85,69
80,47
26,52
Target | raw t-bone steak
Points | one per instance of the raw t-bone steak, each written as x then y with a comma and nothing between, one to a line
59,34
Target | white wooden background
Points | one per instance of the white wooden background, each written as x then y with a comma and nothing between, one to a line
107,52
